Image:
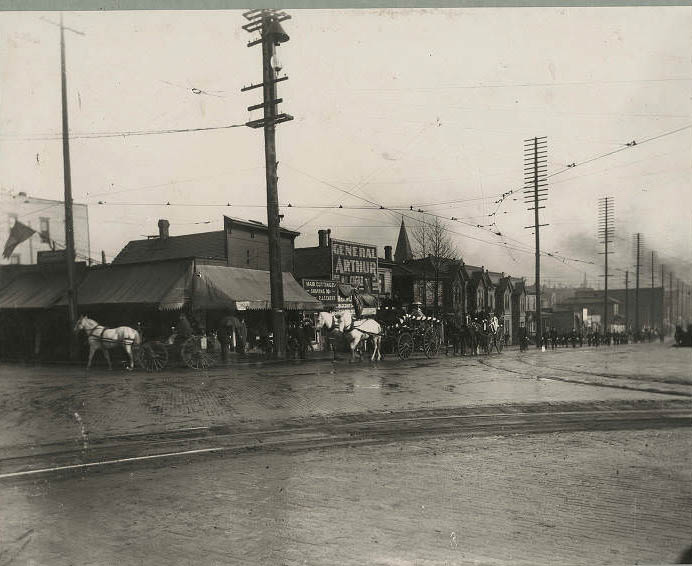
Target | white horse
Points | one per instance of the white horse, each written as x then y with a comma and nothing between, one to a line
102,338
327,321
357,331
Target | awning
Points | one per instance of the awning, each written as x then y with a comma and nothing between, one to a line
217,287
33,291
161,284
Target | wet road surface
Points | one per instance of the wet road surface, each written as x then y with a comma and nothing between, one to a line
622,497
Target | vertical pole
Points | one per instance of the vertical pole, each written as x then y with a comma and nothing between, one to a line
677,302
605,294
627,301
275,271
636,293
539,322
663,299
671,315
69,223
651,305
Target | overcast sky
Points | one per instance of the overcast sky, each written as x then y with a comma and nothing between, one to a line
400,107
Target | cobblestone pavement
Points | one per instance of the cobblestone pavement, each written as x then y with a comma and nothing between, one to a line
622,497
52,404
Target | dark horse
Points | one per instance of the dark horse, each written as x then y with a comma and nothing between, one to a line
460,335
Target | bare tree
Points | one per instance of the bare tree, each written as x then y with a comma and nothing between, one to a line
432,240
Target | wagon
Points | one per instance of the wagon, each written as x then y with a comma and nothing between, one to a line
406,335
196,352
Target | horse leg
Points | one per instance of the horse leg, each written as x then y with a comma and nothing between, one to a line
128,350
108,357
92,351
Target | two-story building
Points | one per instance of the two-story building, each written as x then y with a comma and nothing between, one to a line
518,307
47,218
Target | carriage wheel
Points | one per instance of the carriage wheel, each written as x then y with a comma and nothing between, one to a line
152,356
431,343
404,345
194,356
499,343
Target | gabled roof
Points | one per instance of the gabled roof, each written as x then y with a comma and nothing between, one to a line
519,285
478,274
256,225
207,245
404,251
425,265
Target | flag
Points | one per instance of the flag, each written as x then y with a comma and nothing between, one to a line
18,234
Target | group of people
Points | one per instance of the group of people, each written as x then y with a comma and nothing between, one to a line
552,339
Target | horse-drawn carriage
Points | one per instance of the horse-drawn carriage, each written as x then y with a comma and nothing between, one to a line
197,352
404,334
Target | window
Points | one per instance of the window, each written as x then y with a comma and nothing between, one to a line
247,258
506,301
381,278
615,308
44,228
252,234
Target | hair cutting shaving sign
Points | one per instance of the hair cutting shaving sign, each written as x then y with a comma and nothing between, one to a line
355,264
324,290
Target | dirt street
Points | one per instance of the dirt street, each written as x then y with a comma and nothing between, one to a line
580,498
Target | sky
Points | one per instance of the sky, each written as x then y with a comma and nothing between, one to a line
423,109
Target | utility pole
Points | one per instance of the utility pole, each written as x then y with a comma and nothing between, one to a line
651,305
671,315
663,299
536,191
627,300
69,222
606,231
267,22
636,293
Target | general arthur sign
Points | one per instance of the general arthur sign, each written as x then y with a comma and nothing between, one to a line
355,264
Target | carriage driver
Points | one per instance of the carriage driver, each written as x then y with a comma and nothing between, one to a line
416,312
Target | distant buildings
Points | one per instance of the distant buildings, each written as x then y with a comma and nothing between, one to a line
47,218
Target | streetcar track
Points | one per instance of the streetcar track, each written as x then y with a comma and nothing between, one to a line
582,382
331,435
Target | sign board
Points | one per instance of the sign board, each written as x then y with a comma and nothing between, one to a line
321,289
355,264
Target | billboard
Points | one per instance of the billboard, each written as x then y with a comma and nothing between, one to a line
355,264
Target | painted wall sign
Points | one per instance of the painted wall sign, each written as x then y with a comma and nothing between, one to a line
355,264
321,289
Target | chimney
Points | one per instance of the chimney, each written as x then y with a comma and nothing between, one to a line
388,253
323,236
163,229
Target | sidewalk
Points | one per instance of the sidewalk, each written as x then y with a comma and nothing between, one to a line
45,405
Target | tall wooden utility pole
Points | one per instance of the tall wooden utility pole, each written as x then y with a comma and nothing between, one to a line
69,222
627,300
536,191
268,23
636,293
605,234
671,311
651,306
